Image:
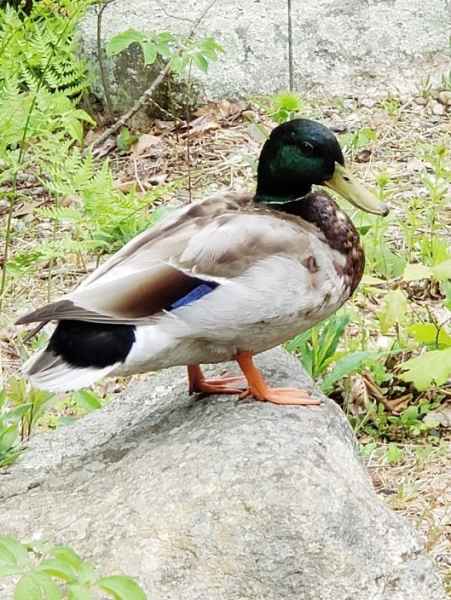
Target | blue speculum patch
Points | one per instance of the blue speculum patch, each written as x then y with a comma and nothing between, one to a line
198,292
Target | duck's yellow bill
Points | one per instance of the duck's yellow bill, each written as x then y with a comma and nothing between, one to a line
347,186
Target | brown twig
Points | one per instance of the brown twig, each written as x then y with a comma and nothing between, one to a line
142,100
168,113
375,391
172,16
201,17
137,178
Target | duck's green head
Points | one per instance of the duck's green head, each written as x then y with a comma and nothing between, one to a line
301,153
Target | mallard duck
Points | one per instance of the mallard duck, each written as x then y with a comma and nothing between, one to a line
218,280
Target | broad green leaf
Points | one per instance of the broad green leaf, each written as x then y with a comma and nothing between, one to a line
52,591
18,412
163,43
430,367
288,101
211,48
75,129
125,139
178,64
331,332
40,401
37,586
416,271
122,588
201,62
164,50
427,333
17,390
121,41
345,366
299,346
6,571
59,103
165,37
9,437
7,458
87,400
438,250
409,416
16,549
28,589
389,264
82,115
394,310
442,271
7,558
79,592
2,397
58,568
67,555
86,574
149,52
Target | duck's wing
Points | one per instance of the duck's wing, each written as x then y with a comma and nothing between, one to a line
168,237
190,254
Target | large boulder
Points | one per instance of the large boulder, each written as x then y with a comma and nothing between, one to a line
348,48
218,498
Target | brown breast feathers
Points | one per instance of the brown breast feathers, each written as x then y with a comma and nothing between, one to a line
319,209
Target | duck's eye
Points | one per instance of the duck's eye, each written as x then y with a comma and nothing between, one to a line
307,147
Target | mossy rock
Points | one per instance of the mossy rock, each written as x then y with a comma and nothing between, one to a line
129,78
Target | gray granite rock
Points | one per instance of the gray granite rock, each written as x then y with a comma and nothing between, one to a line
217,498
376,47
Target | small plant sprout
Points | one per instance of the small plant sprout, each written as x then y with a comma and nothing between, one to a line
285,106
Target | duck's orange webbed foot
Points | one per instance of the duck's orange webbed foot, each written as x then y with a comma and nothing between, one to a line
258,388
199,384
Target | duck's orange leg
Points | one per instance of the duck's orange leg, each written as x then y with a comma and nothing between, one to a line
229,384
259,389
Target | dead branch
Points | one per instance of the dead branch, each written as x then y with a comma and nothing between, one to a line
377,394
134,109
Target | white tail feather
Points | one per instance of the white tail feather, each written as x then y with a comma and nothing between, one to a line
47,371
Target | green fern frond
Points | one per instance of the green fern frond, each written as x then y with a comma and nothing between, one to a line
42,46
